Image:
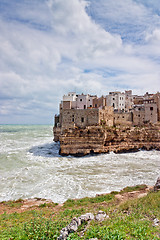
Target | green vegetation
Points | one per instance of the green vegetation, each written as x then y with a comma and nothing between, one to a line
16,203
134,188
86,201
132,219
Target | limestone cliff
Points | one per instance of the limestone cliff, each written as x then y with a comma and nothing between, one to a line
99,139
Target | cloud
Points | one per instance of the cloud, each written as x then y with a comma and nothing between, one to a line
48,48
154,37
130,18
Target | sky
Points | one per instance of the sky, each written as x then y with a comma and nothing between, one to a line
51,47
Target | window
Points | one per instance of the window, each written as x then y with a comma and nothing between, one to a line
82,119
96,105
120,98
138,115
113,105
151,108
113,98
84,106
90,105
81,100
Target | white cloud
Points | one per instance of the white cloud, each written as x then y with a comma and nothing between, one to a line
154,37
55,47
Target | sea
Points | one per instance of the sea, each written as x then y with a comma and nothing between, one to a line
30,166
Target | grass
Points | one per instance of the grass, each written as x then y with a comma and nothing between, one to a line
134,188
86,201
132,219
16,203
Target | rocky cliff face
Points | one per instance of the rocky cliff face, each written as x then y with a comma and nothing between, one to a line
80,142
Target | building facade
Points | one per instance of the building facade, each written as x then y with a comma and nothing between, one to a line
115,109
116,100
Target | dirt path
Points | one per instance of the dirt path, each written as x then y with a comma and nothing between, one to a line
20,206
123,197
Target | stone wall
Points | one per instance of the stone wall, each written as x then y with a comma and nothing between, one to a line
57,131
66,104
71,118
151,112
123,118
106,116
146,113
157,100
79,118
98,139
138,115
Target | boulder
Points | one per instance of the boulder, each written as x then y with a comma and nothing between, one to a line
63,234
73,226
101,216
155,222
76,222
157,185
86,217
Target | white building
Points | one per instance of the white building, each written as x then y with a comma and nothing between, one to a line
116,100
70,97
82,101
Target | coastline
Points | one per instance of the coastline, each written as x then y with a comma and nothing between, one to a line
132,213
99,139
129,192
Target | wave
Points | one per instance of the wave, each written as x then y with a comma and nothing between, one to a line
46,150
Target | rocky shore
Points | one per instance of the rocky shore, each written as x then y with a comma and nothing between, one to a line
132,213
99,139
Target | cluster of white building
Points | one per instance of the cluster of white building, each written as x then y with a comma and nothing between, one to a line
118,100
116,108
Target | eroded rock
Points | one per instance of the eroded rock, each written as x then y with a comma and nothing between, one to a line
79,142
76,222
86,217
156,222
157,185
101,216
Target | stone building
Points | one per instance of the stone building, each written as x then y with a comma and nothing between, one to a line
117,108
123,118
99,102
156,98
128,100
71,118
145,113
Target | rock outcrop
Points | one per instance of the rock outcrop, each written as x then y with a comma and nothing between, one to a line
99,139
76,222
157,185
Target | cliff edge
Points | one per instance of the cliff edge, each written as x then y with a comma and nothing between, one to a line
100,139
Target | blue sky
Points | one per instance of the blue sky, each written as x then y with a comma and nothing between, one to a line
51,47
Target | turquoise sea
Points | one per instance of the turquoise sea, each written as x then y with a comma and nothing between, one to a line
30,166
